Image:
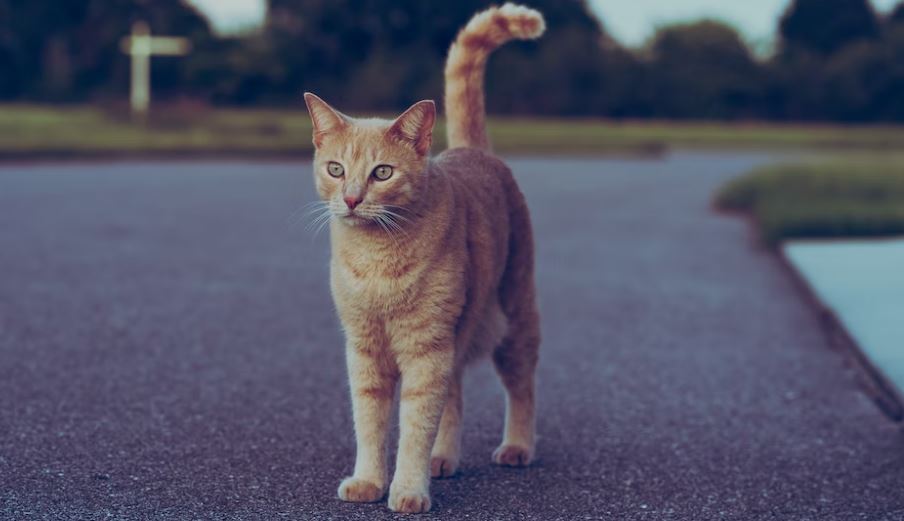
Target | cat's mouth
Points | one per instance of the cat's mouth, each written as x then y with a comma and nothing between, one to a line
354,219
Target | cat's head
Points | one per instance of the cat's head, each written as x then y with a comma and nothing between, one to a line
369,169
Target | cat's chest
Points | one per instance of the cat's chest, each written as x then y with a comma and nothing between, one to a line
372,285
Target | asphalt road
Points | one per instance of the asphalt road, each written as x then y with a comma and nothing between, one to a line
168,350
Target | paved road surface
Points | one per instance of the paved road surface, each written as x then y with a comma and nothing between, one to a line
168,350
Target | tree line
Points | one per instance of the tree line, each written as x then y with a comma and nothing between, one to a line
834,60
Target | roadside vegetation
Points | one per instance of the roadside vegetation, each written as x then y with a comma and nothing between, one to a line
33,131
854,196
833,60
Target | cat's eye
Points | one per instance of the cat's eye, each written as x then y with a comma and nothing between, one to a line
383,172
335,169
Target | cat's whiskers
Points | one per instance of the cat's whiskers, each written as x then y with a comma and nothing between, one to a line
395,215
389,219
376,214
395,209
327,210
317,224
304,212
380,219
320,213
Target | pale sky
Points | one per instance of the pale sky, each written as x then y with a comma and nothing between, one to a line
630,21
633,21
232,15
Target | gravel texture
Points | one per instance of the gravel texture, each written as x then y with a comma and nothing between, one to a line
169,351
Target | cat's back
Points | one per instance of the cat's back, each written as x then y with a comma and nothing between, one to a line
478,176
489,210
487,206
467,162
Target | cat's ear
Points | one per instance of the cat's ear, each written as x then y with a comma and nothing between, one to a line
415,126
325,118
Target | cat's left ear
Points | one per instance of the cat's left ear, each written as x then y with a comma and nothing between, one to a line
415,126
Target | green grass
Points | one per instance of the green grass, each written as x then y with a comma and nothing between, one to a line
81,131
586,135
843,198
28,131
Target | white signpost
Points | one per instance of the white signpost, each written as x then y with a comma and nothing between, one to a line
141,46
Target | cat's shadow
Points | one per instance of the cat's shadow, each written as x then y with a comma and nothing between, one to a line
482,483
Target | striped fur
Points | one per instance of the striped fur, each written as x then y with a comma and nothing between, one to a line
466,65
432,268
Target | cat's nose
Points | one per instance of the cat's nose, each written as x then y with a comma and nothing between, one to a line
352,201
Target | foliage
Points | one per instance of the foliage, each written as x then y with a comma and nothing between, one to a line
846,198
836,60
69,50
825,26
897,14
28,131
704,70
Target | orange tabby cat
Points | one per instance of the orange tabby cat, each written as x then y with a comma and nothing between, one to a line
432,267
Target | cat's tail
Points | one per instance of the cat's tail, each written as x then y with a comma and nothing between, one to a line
466,64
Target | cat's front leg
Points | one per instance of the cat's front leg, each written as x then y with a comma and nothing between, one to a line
447,447
372,380
425,381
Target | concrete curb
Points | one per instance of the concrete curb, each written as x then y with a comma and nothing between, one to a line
877,386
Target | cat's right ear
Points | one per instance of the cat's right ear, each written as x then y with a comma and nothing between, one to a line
325,118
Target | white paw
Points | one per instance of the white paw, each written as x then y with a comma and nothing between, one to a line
359,490
512,456
409,501
443,467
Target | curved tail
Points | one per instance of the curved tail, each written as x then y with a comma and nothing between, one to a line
466,64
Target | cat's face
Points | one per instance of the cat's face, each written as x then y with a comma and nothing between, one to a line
371,171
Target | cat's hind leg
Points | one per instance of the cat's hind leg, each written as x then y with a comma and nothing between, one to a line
516,357
516,361
486,330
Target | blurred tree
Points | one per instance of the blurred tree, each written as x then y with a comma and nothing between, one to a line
11,55
378,54
106,21
30,40
835,61
572,71
236,71
794,87
70,50
703,69
897,14
865,81
825,26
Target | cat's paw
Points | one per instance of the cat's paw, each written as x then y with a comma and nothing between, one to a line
443,467
512,456
358,490
409,501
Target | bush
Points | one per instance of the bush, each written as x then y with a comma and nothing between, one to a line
841,199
